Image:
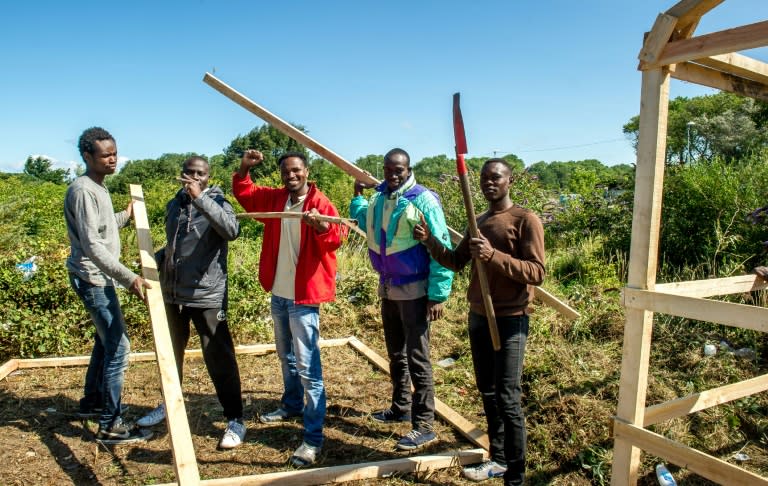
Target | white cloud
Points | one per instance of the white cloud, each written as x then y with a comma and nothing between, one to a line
406,124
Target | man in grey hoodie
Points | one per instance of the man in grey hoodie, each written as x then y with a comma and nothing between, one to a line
94,269
199,223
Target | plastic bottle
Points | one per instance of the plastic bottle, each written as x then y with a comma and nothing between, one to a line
664,476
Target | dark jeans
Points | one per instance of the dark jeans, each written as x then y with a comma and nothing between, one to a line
218,352
498,375
406,333
109,356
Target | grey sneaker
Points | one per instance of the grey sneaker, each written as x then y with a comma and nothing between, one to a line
121,432
279,415
415,440
484,470
154,417
234,435
305,455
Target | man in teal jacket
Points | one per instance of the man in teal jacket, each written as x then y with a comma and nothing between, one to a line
412,288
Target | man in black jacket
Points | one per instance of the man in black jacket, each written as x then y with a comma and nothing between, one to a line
199,223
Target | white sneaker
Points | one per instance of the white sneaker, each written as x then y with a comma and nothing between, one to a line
484,470
305,455
234,435
154,417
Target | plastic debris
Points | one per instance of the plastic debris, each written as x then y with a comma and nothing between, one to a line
664,476
745,353
741,457
28,268
446,363
710,350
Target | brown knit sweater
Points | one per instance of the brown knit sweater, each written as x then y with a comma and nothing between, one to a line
517,264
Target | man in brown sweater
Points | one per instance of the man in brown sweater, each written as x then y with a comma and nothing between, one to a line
511,246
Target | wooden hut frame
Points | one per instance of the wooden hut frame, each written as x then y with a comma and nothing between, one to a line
670,50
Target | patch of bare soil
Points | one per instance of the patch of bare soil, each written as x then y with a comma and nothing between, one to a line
43,442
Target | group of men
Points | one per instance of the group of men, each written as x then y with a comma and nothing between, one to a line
409,247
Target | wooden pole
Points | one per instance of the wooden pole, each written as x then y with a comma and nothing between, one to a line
184,461
350,223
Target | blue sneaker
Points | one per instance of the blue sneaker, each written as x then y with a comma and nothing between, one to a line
415,440
388,416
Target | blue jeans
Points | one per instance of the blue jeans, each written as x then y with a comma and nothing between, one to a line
297,331
498,375
109,357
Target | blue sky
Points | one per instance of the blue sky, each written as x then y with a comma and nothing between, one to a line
545,80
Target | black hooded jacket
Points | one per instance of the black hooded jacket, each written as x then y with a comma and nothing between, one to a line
193,265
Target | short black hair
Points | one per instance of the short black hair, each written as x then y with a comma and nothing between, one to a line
288,155
398,151
193,158
499,161
89,137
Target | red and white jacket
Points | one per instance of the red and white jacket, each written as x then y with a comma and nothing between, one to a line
316,268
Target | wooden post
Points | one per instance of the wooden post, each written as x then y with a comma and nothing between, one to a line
643,259
184,460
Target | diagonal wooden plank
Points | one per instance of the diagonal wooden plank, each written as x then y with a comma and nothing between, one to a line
689,12
184,461
657,38
341,163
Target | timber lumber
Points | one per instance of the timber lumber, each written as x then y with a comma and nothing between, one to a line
702,464
689,13
706,76
714,286
184,461
355,472
703,400
337,160
350,223
8,367
737,65
464,426
657,38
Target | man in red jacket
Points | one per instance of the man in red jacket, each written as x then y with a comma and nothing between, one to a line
298,265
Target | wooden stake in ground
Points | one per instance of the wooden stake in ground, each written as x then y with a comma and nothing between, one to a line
184,460
351,169
461,169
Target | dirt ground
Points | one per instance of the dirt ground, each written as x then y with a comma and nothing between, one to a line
43,442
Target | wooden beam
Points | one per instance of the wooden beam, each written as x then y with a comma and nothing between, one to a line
8,367
723,42
643,262
304,139
719,80
355,472
727,313
560,306
464,426
737,65
714,286
702,400
351,223
702,464
689,12
657,38
184,461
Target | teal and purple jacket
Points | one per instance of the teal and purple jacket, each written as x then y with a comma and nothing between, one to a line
395,254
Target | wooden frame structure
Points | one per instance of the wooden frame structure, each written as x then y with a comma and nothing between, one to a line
671,50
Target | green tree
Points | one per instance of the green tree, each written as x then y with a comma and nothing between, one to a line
267,139
40,168
146,171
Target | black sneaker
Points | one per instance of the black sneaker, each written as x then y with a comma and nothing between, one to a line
121,432
95,412
388,416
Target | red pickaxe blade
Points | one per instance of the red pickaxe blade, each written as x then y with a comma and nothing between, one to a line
458,127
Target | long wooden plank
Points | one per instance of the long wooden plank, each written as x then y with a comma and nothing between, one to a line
714,286
184,461
8,367
738,65
702,464
549,299
696,308
689,12
139,357
464,426
351,223
354,472
706,76
643,261
723,42
312,144
706,399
